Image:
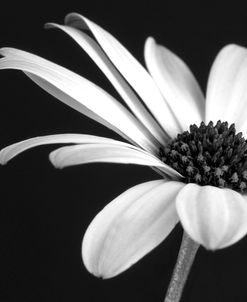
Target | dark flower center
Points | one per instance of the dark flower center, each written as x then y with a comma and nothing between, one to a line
209,155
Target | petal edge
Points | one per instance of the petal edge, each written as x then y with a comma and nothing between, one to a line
213,217
129,227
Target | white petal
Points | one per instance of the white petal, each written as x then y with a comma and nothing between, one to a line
100,58
129,227
80,90
176,83
66,99
214,217
105,152
13,150
226,92
132,71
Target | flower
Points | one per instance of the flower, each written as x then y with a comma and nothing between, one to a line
169,126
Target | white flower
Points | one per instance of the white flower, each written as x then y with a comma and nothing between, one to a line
207,199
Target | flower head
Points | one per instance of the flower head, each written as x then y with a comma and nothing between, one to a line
196,144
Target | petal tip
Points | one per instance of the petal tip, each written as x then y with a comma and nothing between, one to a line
70,17
3,159
150,39
3,162
150,42
2,51
54,161
49,25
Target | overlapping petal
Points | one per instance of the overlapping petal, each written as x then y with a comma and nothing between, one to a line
132,71
176,83
140,218
68,100
129,227
226,91
213,217
13,150
83,93
99,57
108,153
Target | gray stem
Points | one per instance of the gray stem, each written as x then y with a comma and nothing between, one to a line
182,268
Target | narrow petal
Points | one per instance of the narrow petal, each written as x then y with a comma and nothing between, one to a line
214,217
176,83
80,90
132,71
99,57
66,99
13,150
129,227
226,91
107,153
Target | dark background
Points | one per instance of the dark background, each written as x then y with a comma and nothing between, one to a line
45,212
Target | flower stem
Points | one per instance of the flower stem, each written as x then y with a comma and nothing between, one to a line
182,268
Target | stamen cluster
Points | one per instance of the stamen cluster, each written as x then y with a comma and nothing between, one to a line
209,155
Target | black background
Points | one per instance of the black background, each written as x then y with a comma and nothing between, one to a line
45,212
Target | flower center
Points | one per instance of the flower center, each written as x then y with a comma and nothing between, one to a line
209,155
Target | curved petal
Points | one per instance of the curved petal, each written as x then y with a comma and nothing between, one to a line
107,153
13,150
226,91
81,91
132,71
176,83
68,100
214,217
99,57
129,227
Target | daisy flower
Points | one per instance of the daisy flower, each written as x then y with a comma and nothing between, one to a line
195,143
